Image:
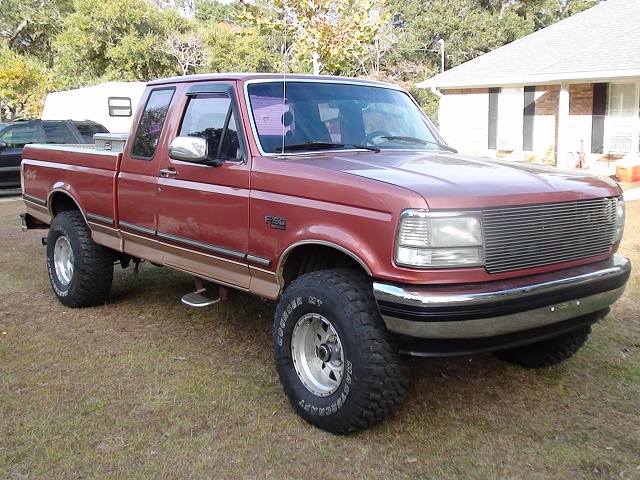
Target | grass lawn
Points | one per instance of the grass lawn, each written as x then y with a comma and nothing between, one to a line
146,388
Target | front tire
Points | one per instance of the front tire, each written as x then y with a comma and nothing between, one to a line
547,352
80,270
336,361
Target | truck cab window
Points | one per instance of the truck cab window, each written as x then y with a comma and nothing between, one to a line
151,123
210,116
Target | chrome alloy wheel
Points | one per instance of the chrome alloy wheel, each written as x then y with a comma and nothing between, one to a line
63,260
317,354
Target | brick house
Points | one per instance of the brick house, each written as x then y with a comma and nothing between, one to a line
571,87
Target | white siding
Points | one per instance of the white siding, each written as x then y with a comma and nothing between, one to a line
464,122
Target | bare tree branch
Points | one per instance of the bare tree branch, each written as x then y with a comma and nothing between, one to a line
188,50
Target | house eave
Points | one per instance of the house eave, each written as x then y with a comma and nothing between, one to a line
531,80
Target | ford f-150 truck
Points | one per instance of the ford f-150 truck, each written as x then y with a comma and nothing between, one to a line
339,199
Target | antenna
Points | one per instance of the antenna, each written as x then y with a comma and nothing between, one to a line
284,74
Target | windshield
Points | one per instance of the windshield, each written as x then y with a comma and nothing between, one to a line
310,116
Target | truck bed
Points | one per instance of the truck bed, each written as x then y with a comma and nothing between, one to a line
85,173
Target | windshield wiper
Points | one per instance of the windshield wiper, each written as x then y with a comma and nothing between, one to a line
419,141
324,146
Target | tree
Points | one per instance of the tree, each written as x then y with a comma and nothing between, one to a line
115,40
320,36
476,27
229,48
24,83
543,13
28,26
212,11
89,41
185,7
188,50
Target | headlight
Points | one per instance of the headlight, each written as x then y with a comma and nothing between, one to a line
620,214
439,240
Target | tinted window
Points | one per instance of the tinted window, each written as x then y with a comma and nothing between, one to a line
211,117
230,143
19,136
57,132
89,130
309,114
151,123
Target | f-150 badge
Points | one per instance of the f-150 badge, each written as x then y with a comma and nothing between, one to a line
276,222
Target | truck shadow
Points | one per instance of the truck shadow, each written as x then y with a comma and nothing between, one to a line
243,323
473,390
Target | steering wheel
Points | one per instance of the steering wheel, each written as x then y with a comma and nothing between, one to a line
377,133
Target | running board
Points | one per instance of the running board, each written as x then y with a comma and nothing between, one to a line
197,299
201,297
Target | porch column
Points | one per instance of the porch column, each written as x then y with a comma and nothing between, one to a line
635,142
563,146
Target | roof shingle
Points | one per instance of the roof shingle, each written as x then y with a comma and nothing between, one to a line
602,42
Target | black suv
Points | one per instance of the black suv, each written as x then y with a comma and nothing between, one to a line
15,135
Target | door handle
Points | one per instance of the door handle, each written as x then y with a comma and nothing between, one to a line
168,172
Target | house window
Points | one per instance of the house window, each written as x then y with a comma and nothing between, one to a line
510,118
623,111
623,100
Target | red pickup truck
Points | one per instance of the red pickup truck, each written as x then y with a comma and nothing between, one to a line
339,199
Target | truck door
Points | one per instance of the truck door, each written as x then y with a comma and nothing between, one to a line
203,207
138,177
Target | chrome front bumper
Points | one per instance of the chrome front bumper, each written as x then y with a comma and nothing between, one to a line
492,309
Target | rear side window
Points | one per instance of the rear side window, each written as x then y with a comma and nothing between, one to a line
88,130
210,116
151,123
58,132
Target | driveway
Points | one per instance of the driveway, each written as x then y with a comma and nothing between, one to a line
633,194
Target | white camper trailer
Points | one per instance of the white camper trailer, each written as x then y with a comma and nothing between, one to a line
112,104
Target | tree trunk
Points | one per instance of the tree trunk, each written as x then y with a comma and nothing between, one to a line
317,66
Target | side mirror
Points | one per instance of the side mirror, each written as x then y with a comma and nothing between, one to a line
192,149
3,145
188,149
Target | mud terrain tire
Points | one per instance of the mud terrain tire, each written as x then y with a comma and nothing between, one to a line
80,270
337,363
547,352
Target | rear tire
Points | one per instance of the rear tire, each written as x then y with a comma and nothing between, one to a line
547,352
80,270
337,363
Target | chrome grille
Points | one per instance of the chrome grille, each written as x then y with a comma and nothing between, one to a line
538,235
